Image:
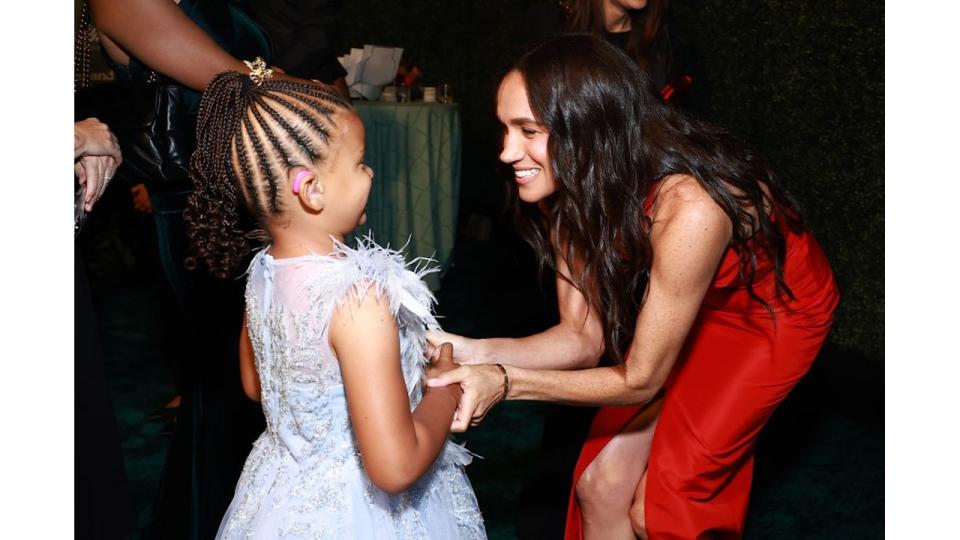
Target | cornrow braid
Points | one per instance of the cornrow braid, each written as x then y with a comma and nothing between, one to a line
248,137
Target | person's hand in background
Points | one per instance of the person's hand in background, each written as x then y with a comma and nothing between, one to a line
141,199
96,155
92,137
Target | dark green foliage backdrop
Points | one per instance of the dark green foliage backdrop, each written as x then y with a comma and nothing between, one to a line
800,80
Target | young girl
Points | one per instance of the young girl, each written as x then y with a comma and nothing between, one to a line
333,337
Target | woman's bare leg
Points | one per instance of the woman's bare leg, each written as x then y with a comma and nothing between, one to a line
607,487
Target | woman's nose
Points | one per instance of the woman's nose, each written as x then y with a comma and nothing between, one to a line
512,152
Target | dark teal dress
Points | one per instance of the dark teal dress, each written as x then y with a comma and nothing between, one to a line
216,423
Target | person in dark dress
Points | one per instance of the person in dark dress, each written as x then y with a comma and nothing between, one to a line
645,30
189,42
101,495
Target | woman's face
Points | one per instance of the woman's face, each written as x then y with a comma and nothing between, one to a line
622,5
524,141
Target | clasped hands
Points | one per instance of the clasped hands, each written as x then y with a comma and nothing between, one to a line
97,156
482,384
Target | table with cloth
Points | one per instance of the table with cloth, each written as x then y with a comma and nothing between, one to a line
414,150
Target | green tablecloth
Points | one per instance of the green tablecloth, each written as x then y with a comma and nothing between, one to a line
414,150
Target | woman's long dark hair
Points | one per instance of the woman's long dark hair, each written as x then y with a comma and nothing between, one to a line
611,139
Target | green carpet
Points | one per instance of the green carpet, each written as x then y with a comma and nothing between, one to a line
140,383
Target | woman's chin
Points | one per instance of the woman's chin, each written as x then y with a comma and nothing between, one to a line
531,196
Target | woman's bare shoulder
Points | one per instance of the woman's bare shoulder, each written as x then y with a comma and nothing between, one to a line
681,197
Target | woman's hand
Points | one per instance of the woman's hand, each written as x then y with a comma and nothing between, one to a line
92,137
99,156
465,350
482,389
94,173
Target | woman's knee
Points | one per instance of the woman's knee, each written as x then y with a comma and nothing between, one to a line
601,487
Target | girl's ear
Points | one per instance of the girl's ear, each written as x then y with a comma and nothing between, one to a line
308,188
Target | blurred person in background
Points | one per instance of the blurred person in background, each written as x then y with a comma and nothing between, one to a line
305,38
101,496
189,42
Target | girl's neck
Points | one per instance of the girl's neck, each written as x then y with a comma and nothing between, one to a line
285,246
616,19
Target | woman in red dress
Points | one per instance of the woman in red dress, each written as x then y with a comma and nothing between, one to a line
678,256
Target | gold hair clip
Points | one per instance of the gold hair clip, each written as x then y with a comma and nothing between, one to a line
259,71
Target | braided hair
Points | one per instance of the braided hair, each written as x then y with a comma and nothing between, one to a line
248,137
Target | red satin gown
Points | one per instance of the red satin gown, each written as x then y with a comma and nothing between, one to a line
737,365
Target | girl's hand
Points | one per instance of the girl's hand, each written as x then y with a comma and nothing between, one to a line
441,361
464,349
482,389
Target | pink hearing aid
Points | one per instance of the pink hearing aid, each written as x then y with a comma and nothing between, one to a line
298,179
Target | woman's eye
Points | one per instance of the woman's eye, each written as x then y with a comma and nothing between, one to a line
527,132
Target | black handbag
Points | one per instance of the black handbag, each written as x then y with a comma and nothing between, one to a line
152,123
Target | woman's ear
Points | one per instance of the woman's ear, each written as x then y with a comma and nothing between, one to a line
308,188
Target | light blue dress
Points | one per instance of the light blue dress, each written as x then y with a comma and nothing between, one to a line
304,477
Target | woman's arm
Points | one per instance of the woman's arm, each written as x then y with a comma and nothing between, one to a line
689,236
576,342
160,35
248,368
396,446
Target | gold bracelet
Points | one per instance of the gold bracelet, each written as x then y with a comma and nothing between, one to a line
506,383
